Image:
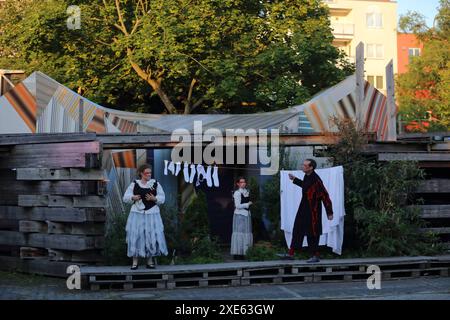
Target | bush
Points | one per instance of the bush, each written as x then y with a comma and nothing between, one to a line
378,218
115,251
263,251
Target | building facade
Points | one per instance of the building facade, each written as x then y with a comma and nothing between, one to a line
373,22
408,47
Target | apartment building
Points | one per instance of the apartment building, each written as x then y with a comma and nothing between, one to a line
373,22
408,47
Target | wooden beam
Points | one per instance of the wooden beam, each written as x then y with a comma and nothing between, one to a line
77,256
434,186
376,148
33,253
360,83
12,238
53,155
44,138
445,230
61,241
435,211
53,241
414,156
59,174
53,214
28,226
43,267
75,228
441,146
9,224
62,201
142,141
390,102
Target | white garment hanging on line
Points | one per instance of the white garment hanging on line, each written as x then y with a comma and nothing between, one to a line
291,195
211,174
171,167
166,162
186,172
177,168
215,176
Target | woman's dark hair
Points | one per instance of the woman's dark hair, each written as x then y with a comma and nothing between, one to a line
142,168
237,181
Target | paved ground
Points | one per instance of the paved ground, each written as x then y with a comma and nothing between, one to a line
18,286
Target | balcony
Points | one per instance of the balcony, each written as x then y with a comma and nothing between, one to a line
336,10
343,31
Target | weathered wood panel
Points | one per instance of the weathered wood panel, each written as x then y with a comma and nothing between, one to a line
44,138
443,146
62,201
435,211
9,224
13,238
56,241
59,174
43,267
78,229
80,256
54,155
28,226
444,230
414,156
434,186
53,214
33,253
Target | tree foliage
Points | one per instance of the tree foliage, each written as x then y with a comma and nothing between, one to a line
178,56
426,85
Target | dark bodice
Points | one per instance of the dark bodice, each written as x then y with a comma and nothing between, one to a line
138,190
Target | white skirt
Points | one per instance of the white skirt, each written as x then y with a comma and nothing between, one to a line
145,235
242,236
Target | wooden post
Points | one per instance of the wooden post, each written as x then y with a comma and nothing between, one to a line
391,107
80,110
80,115
360,85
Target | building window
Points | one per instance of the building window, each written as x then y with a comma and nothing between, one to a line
376,81
374,17
379,84
413,52
375,51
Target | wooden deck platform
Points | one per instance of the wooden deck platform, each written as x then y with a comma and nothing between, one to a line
251,273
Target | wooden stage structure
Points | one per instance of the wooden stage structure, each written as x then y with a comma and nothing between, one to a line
52,209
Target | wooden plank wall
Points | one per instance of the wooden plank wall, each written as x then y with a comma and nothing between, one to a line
52,205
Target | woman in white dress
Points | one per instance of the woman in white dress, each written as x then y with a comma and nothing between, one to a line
242,236
145,229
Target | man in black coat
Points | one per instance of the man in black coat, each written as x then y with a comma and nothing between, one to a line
308,221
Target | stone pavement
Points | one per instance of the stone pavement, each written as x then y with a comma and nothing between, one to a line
18,286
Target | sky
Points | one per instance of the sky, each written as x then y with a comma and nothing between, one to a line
425,7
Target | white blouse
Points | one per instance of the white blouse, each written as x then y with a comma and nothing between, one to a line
240,207
138,206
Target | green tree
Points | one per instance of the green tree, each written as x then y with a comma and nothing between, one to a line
426,85
178,56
